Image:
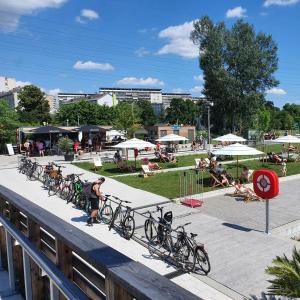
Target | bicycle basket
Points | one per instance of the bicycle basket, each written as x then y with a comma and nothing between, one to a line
168,217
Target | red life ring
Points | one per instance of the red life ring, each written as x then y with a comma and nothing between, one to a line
266,184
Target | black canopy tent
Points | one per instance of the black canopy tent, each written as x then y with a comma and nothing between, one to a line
49,130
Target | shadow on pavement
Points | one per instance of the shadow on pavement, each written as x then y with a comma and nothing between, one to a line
263,296
239,227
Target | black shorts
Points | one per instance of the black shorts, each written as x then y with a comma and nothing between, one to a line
94,203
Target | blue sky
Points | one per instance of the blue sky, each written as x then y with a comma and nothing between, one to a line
73,46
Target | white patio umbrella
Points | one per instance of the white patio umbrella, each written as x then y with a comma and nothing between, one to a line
230,138
172,138
288,139
237,150
134,144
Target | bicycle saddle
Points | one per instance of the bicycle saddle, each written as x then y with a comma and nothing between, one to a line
193,235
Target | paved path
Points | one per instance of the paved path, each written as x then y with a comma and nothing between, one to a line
32,190
231,230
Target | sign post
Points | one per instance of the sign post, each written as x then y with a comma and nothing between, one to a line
266,186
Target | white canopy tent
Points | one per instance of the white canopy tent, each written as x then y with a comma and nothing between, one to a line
230,138
172,138
134,144
237,150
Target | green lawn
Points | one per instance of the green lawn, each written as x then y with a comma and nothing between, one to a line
110,169
168,184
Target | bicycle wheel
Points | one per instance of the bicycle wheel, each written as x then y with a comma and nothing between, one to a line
115,215
202,260
128,227
106,214
64,192
150,229
186,257
52,187
157,249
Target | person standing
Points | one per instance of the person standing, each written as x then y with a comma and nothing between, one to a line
95,196
283,167
27,147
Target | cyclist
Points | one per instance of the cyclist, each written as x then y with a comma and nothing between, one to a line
94,199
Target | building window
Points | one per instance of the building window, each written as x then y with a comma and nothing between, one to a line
176,132
163,133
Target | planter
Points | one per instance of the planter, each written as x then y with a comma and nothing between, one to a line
69,157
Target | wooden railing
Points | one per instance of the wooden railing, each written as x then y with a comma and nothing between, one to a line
47,258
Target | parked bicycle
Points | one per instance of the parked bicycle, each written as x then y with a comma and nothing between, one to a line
153,227
124,218
105,213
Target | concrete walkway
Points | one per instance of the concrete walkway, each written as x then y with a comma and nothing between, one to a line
231,230
33,191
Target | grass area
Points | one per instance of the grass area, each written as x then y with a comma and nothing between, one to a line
168,184
110,169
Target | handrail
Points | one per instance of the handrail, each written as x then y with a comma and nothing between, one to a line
70,290
119,271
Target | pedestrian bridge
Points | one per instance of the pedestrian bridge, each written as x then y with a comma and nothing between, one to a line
47,258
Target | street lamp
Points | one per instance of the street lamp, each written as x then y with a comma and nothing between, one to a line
209,105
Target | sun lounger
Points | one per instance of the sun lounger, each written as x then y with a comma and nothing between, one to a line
215,181
97,163
146,171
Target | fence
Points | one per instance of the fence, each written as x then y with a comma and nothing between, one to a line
47,258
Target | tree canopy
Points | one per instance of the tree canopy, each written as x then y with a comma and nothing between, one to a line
182,111
127,118
84,112
33,108
8,124
238,67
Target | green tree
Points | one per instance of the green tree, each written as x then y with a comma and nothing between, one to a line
182,111
238,67
146,113
33,108
287,276
127,118
8,124
86,113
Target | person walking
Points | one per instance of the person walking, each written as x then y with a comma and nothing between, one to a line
95,196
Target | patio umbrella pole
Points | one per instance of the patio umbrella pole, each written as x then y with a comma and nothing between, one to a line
237,167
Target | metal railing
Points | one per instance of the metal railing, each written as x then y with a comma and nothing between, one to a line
47,258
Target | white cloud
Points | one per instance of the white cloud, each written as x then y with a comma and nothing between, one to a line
22,83
54,92
178,91
90,65
87,15
140,81
276,91
197,89
199,77
142,52
237,12
179,41
268,3
12,10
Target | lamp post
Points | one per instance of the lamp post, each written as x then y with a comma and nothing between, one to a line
209,105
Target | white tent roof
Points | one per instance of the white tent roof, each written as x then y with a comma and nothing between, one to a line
172,138
230,138
134,144
287,140
237,150
114,133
